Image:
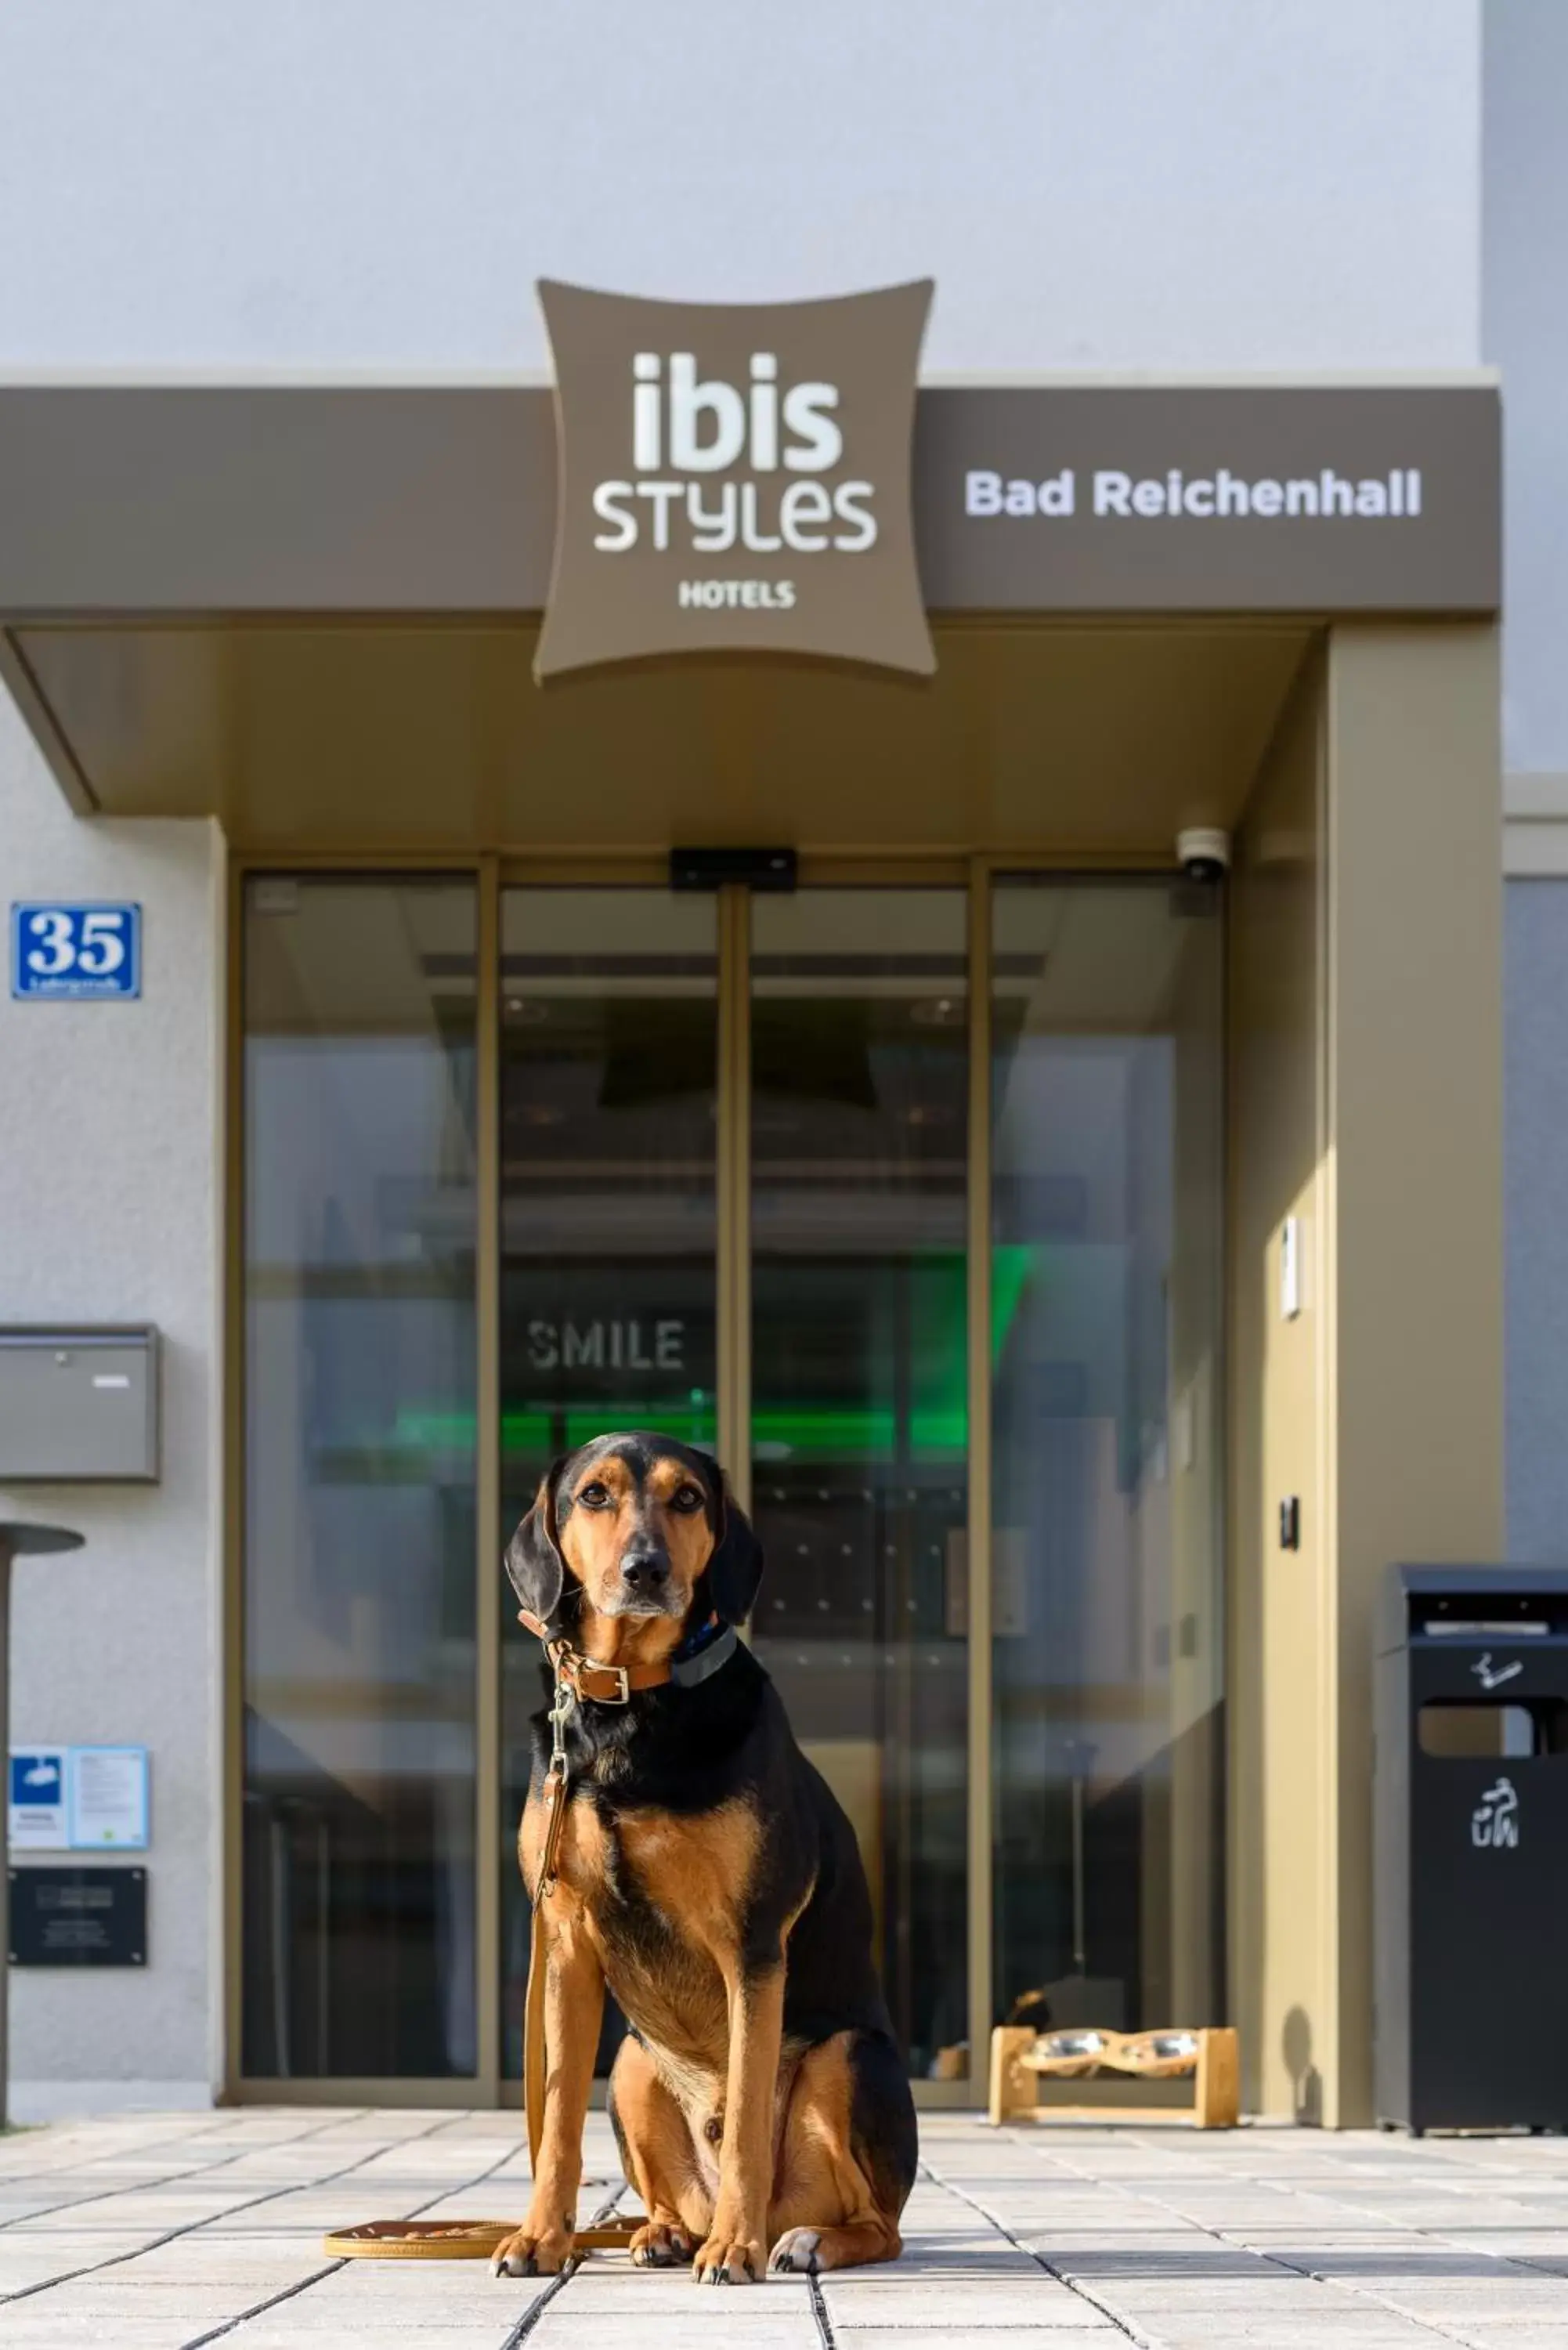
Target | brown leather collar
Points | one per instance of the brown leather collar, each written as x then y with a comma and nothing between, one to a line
618,1684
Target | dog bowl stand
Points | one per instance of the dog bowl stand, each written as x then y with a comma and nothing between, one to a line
1021,2058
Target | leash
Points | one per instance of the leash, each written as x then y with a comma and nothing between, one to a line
577,1677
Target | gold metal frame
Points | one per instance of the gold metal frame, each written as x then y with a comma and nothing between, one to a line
231,1625
733,1333
978,1334
491,874
487,1822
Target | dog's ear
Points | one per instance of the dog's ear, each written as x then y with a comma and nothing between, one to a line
534,1560
735,1568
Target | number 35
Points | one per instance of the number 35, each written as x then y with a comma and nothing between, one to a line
98,950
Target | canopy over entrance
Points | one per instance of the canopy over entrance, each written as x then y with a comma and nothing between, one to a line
312,613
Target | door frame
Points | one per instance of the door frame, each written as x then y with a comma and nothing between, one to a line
491,873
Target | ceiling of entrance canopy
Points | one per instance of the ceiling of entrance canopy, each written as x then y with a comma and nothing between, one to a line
416,737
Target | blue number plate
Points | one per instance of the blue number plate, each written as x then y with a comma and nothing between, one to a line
76,951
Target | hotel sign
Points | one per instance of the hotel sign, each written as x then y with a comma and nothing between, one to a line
1214,498
734,478
1028,498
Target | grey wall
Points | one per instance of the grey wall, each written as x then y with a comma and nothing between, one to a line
1195,184
1535,1219
1525,332
109,1196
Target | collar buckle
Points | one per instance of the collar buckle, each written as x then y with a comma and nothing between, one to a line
578,1674
622,1695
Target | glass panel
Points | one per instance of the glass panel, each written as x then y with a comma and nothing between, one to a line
859,1132
608,1101
359,1478
1107,1300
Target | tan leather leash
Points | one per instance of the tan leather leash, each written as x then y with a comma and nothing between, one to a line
573,1671
577,1677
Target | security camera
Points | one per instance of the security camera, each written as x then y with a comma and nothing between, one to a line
1203,853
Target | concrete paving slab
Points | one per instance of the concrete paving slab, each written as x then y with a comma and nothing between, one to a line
1329,2329
278,2329
29,2331
1038,2299
1513,2337
1097,2334
187,2228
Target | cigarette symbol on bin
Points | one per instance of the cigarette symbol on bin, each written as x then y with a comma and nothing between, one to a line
1494,1823
1493,1676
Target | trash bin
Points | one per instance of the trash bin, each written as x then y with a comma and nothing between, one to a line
1470,1849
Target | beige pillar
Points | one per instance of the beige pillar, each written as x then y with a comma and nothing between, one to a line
1365,1102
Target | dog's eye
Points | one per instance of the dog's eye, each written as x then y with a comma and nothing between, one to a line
593,1495
686,1498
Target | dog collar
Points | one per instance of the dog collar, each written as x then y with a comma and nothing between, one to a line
586,1677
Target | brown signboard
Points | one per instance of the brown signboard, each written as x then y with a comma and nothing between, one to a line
193,501
1203,498
734,478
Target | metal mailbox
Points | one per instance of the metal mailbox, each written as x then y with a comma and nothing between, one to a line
1470,1849
78,1405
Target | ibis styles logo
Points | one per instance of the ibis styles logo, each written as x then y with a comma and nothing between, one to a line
734,478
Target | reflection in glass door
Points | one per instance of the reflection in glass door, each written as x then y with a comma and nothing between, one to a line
859,1439
1108,1631
608,1024
357,1841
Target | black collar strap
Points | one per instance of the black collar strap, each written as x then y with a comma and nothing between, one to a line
687,1672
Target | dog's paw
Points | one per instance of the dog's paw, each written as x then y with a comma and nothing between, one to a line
729,2260
660,2244
795,2254
525,2253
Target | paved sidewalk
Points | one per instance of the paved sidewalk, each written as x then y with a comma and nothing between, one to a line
160,2233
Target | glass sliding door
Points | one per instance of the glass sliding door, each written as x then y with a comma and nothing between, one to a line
1108,1627
360,1492
737,1159
608,1027
859,1439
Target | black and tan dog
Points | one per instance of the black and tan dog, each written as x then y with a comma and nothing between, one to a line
706,1874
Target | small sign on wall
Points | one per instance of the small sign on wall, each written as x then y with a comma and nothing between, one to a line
37,1799
78,1918
78,1799
106,1798
71,950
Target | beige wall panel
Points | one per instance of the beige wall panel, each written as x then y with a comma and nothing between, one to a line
1415,1068
1280,1710
1365,1076
1097,739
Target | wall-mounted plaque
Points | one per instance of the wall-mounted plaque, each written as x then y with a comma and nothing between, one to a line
78,1918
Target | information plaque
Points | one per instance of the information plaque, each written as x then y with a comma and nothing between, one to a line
78,1918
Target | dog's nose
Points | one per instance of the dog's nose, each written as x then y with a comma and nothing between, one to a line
644,1570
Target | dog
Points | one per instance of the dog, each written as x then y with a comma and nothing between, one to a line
706,1872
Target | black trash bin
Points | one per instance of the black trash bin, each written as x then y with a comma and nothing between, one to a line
1470,1849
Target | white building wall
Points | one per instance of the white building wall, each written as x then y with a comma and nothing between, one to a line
342,186
1202,184
108,1204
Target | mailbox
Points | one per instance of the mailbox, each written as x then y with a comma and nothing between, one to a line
1470,1849
78,1405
